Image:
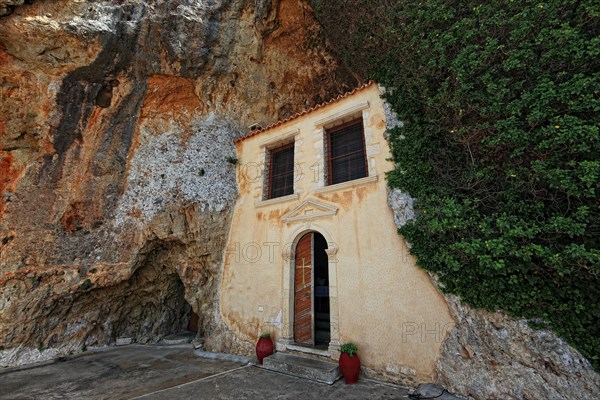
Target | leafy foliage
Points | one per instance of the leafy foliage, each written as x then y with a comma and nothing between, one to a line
349,348
500,148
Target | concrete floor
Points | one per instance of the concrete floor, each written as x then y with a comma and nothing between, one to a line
170,372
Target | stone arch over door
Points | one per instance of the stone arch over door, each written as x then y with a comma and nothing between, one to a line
287,334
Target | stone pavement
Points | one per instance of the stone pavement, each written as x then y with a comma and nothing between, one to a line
154,372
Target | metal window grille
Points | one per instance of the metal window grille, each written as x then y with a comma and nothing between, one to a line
281,172
346,153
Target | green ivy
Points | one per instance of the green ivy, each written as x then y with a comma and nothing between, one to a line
500,147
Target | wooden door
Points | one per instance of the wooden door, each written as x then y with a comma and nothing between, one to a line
303,307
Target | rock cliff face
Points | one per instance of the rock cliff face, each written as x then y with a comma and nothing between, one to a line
117,121
493,356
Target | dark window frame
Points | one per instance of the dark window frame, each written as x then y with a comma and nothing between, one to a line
269,189
328,133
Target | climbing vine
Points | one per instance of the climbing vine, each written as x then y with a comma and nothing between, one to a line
500,147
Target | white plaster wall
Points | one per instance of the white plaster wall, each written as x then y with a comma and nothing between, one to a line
385,304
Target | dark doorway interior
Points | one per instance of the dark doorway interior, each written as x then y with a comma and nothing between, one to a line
321,291
193,324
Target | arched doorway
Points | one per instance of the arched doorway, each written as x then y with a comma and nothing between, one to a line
311,291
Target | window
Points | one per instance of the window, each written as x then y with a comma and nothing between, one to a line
346,152
281,172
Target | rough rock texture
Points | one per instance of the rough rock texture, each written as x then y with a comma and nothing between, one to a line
391,118
432,391
493,356
402,205
7,7
116,170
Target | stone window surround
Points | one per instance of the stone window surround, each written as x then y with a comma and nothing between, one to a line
267,146
358,110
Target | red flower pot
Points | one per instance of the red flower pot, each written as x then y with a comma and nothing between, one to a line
350,367
264,348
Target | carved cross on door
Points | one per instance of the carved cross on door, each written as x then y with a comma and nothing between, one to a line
304,266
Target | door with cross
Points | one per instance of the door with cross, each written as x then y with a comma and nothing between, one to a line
303,286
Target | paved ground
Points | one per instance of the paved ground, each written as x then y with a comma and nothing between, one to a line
171,372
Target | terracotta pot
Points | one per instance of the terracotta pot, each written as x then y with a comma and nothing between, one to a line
350,367
264,348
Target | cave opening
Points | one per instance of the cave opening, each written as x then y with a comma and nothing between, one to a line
147,307
154,306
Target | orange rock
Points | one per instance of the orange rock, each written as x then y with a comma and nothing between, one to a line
7,176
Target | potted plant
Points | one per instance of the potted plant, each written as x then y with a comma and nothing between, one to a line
349,362
264,347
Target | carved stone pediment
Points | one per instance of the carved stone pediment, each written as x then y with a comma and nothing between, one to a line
309,209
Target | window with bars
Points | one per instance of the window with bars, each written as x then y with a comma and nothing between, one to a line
346,152
281,172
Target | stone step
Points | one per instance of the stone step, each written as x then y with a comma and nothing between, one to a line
179,338
302,367
306,351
